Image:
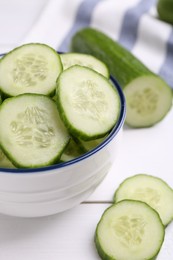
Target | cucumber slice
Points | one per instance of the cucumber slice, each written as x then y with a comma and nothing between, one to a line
151,190
165,10
88,103
31,131
4,161
70,59
129,230
71,152
148,97
87,146
30,68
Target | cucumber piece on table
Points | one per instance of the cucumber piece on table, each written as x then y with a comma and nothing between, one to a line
88,103
70,59
148,97
31,131
165,10
30,68
150,189
129,230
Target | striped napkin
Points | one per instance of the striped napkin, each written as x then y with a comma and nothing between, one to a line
133,23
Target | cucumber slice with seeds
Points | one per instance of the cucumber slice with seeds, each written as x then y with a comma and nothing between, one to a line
151,190
88,103
70,59
30,68
129,230
148,97
31,131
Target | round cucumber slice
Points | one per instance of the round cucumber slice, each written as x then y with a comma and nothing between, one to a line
88,103
151,190
129,230
70,59
31,131
143,98
30,68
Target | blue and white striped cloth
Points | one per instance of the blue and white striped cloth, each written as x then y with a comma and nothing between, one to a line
133,23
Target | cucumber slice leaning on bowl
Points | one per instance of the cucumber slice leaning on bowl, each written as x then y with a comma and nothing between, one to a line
148,97
129,230
150,189
30,68
31,131
70,59
88,103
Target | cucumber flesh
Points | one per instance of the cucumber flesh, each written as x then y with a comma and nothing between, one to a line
88,103
4,161
71,152
30,68
136,80
147,100
70,59
151,190
31,131
87,146
129,230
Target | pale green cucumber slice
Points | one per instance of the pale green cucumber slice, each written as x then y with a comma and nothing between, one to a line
88,103
71,152
150,189
70,59
30,68
147,100
4,161
129,230
89,145
31,131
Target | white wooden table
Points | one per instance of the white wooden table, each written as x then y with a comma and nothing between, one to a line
70,235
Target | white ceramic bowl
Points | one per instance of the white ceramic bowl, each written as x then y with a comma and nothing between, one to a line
49,190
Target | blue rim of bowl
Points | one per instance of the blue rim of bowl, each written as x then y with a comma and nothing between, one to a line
111,135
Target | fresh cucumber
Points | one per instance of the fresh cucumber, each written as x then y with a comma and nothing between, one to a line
165,10
31,131
71,152
30,68
148,97
151,190
88,103
70,59
4,161
129,230
87,146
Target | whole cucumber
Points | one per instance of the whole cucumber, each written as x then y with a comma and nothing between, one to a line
148,97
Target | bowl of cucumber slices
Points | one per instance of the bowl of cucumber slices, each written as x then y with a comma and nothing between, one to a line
61,118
